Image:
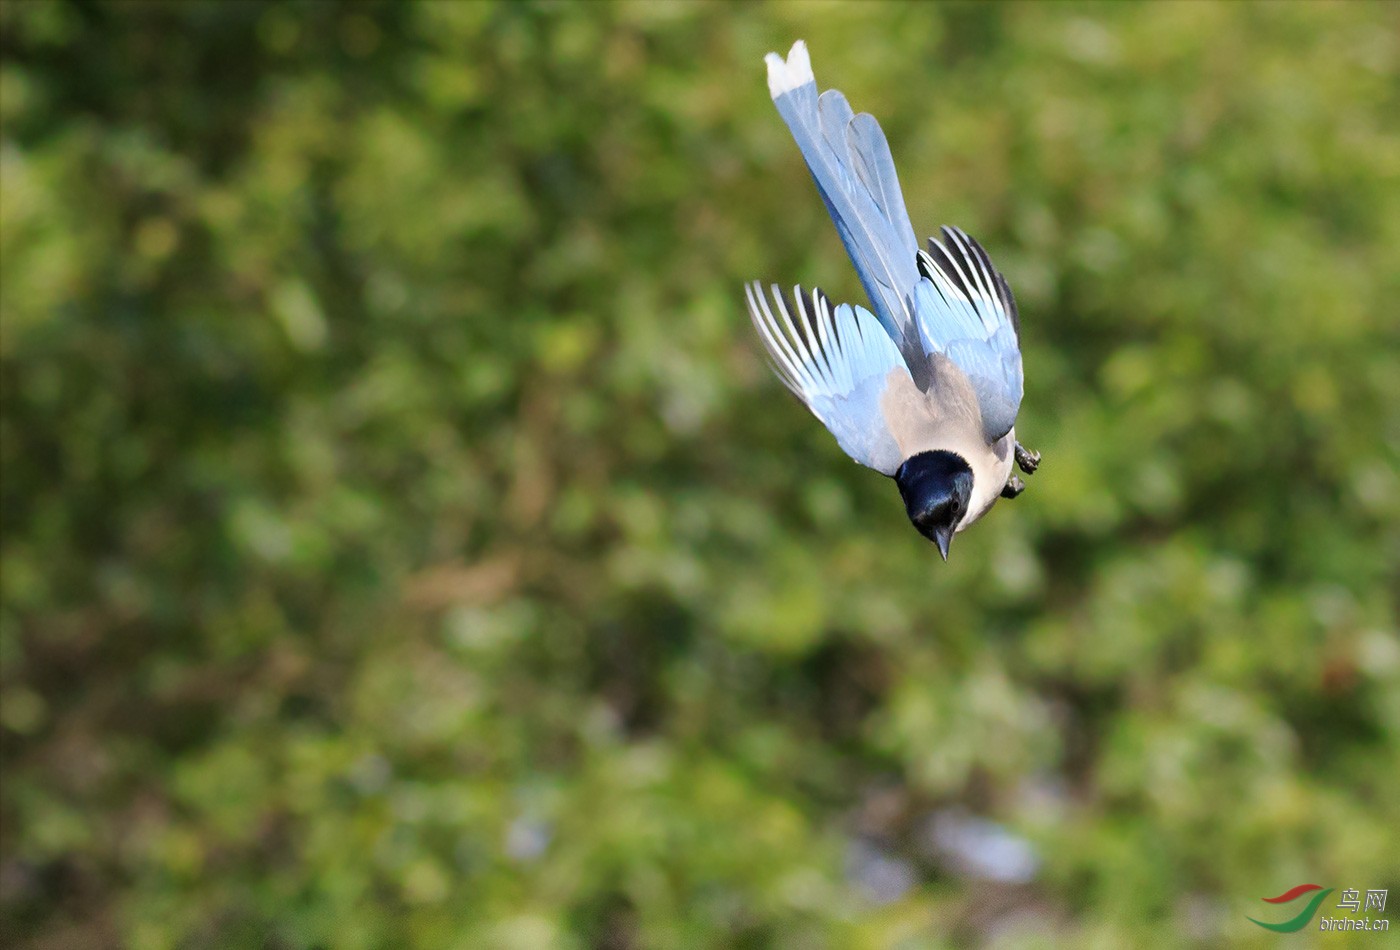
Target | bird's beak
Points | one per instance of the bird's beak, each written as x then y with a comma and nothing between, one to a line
943,537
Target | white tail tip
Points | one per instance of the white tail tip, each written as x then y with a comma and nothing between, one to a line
787,76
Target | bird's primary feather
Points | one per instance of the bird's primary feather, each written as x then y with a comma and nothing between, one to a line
966,312
838,363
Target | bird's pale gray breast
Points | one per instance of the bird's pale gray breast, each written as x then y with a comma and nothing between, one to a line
944,416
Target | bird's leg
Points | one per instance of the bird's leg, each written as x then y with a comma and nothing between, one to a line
1014,487
1028,461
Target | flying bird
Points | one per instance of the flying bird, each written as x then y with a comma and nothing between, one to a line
927,387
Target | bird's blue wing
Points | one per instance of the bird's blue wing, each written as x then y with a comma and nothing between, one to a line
850,161
838,364
965,310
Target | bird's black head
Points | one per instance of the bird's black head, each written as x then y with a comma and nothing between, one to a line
937,489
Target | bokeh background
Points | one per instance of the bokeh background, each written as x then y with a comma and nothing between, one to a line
405,544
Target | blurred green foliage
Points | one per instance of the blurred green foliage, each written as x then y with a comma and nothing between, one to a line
405,544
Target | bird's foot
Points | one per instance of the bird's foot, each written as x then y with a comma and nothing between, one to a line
1014,487
1028,461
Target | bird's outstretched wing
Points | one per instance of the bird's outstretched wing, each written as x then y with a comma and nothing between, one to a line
850,161
965,310
838,363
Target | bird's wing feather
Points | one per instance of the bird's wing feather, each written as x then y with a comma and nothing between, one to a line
850,161
964,310
838,363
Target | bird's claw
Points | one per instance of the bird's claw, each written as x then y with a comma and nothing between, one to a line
1027,460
